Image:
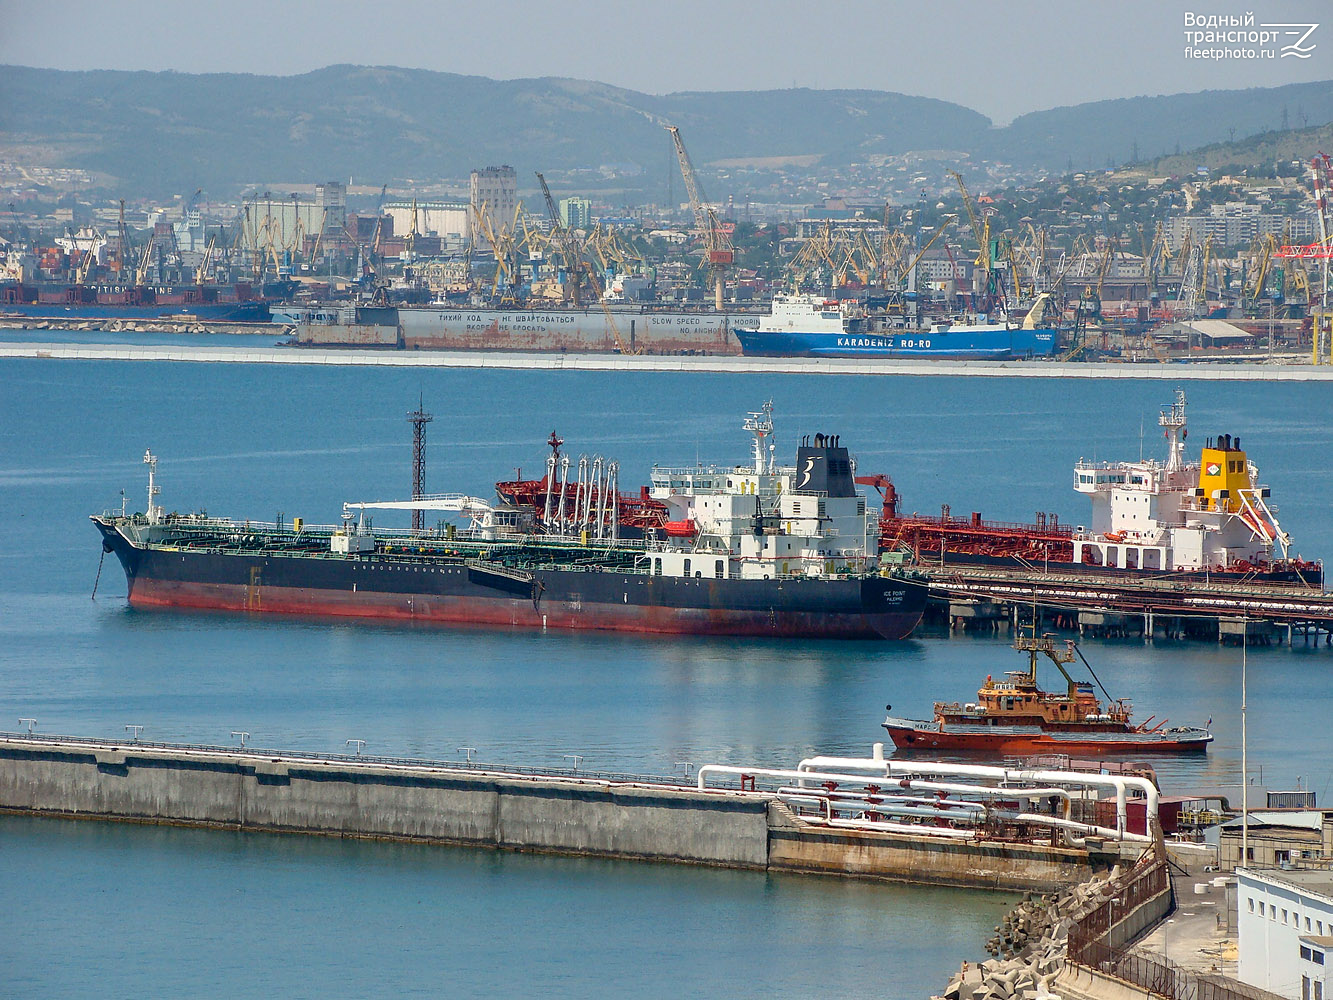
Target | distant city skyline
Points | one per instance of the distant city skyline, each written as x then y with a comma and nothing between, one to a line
1002,59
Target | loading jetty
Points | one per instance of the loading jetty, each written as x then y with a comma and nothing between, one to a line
1186,605
972,826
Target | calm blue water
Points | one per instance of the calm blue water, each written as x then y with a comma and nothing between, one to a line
256,440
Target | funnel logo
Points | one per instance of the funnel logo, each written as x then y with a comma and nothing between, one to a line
805,473
1214,469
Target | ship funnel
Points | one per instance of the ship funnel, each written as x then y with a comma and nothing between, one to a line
824,467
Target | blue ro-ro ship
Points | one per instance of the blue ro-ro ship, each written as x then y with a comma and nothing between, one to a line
811,326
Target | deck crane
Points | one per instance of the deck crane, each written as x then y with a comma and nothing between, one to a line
202,269
85,267
141,272
718,251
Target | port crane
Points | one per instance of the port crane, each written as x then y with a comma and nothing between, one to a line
719,254
123,239
566,246
202,269
909,268
141,272
994,291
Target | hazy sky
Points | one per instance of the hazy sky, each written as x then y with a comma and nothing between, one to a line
1002,58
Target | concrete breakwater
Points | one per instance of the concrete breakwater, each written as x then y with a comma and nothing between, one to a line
473,805
1031,947
1224,372
146,324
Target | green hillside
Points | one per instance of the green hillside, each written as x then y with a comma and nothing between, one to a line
154,133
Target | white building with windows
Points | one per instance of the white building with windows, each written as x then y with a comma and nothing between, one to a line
1285,930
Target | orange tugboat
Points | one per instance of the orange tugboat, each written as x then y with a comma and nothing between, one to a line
1017,717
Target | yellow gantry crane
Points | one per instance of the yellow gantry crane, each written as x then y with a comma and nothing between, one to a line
566,246
980,229
719,254
505,247
202,270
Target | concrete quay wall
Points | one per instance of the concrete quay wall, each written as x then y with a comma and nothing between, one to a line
424,802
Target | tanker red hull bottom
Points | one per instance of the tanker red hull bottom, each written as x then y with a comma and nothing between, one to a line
520,612
906,738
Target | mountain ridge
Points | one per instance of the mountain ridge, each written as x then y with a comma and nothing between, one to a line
171,131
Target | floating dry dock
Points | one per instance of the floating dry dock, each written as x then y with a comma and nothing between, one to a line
911,821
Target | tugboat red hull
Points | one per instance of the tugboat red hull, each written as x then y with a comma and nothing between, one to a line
907,735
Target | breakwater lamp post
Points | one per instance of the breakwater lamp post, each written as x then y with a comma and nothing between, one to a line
243,736
1244,748
359,744
135,730
577,758
469,751
30,723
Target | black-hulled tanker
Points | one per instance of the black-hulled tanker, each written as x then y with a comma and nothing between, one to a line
738,550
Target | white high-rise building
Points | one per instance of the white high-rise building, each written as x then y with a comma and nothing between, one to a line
494,191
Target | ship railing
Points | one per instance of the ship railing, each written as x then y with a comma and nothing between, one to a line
1132,537
1084,465
593,543
684,471
1053,528
1201,505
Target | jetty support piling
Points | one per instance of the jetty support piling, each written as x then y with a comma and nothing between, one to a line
1103,604
1254,633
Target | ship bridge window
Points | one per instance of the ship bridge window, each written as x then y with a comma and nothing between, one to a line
657,566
